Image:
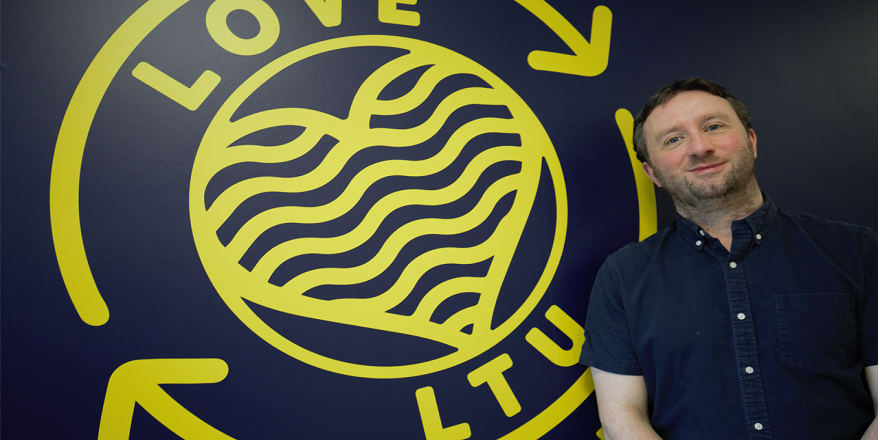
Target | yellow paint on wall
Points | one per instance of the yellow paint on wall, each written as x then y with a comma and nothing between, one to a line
431,422
389,13
644,185
329,12
270,28
67,161
589,58
189,97
552,351
137,382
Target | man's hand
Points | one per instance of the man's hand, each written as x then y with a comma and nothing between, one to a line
623,406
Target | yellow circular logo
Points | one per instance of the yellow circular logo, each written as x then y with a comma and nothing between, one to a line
423,258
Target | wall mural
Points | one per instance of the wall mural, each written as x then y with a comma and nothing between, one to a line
260,219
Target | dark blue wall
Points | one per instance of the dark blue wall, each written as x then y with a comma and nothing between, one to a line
806,69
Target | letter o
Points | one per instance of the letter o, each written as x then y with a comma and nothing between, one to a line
215,20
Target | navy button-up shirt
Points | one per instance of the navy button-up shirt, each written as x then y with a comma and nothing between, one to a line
768,340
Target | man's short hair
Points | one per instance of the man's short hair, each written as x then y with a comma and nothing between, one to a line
668,92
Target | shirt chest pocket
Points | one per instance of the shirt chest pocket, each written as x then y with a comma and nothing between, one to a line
818,331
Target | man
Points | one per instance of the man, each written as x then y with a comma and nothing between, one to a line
740,320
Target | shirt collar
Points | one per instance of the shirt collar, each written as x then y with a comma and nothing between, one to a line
761,220
757,224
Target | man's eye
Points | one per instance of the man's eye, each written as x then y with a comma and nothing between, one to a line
673,140
713,127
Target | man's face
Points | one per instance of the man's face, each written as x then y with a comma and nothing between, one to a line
698,148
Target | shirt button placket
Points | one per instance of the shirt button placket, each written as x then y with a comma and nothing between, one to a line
745,344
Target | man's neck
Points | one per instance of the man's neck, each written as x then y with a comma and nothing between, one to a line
716,215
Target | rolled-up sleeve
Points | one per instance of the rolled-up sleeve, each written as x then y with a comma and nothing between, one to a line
608,344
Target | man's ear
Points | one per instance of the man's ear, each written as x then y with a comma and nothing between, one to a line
754,138
646,167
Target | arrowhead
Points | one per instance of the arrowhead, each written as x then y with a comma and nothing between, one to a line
589,59
138,382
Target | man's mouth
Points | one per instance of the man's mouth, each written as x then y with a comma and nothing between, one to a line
707,168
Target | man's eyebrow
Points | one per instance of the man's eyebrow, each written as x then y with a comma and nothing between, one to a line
664,133
723,116
718,115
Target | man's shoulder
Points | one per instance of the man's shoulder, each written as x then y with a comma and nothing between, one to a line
819,227
837,239
645,250
814,221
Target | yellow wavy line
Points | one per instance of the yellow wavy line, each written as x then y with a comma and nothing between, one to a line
285,251
367,103
450,331
272,154
412,99
394,137
446,290
262,222
333,163
419,93
392,246
218,140
501,244
229,200
370,313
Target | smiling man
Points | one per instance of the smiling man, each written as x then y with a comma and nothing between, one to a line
740,320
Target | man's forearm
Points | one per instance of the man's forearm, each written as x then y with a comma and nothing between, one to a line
623,406
628,426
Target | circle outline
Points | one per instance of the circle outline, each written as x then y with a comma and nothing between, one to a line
64,194
245,313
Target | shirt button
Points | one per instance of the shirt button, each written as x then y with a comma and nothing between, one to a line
759,426
741,316
750,370
758,236
699,242
703,234
733,264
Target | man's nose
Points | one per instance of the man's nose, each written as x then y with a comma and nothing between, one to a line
700,145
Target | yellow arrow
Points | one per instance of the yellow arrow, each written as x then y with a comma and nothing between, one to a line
644,185
589,59
67,162
138,382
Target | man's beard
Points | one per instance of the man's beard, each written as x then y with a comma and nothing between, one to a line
685,191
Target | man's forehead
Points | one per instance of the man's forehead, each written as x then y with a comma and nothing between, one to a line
689,105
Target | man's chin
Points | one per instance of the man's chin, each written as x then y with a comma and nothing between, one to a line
693,194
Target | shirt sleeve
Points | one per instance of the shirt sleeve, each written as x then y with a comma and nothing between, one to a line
868,318
608,345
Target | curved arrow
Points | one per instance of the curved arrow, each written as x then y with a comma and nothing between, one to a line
644,185
138,382
589,59
67,161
